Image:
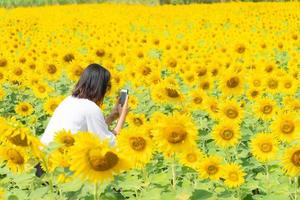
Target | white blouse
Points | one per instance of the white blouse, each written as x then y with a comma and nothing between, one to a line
77,114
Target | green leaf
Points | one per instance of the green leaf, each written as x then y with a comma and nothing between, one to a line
72,186
38,193
201,194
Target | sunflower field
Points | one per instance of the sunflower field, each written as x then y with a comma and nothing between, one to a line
214,101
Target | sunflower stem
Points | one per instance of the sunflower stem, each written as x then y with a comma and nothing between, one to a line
174,171
267,179
296,187
96,191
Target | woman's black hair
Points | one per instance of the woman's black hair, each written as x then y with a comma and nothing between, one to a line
93,83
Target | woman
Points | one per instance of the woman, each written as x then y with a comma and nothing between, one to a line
80,111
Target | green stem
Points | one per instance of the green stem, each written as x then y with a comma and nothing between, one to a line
296,187
96,191
267,178
174,172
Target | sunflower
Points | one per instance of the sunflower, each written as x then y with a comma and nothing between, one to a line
135,141
226,134
210,167
291,161
52,71
230,109
136,119
58,158
2,191
41,90
254,93
212,107
24,109
265,108
65,138
51,104
197,98
232,83
233,175
272,84
74,71
286,126
2,94
191,157
92,159
15,157
175,133
264,147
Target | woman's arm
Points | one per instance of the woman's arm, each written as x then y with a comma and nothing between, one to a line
123,112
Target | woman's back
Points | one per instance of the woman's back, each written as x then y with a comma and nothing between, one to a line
77,114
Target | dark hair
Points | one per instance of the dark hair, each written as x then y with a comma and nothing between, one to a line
93,83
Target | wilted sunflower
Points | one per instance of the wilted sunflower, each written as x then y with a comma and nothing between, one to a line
93,160
210,167
226,134
135,143
286,126
24,109
15,157
291,161
175,133
264,147
233,175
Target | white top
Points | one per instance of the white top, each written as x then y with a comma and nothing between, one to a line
76,114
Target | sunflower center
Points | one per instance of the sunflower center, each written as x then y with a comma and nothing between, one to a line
296,158
102,163
254,93
205,85
52,69
191,157
288,85
213,108
15,156
100,53
287,127
78,71
273,84
172,93
227,134
233,82
137,121
197,100
212,169
146,71
3,62
18,72
42,89
231,113
137,143
68,140
69,57
24,108
53,106
256,83
202,72
177,136
233,176
240,49
266,147
17,140
172,63
267,109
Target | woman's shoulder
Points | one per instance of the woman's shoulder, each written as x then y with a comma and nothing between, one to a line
85,104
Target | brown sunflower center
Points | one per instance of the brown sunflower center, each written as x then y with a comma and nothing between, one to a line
102,163
18,71
267,109
51,69
146,71
240,49
191,157
233,82
272,83
287,127
137,121
137,143
24,108
172,63
296,158
177,136
53,106
231,113
197,100
212,169
17,140
233,176
100,53
3,62
68,140
288,85
78,71
266,147
227,134
254,93
205,85
42,89
69,57
15,157
172,93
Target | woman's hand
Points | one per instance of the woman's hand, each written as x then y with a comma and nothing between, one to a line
123,112
115,113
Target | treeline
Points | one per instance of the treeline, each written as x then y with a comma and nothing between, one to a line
16,3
